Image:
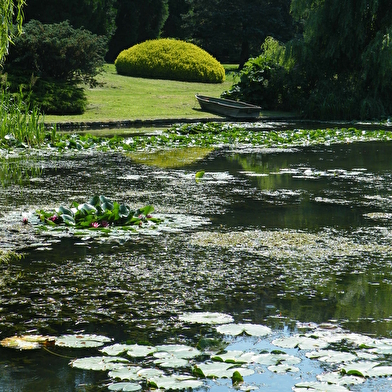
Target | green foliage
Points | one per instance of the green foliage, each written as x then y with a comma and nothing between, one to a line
344,58
58,51
7,12
233,30
97,16
98,213
264,79
170,59
51,60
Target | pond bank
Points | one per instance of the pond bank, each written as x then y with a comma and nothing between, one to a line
268,122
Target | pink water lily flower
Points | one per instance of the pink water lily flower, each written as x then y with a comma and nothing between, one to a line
95,224
54,218
104,224
148,216
25,221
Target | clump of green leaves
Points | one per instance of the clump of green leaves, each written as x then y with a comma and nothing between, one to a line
98,213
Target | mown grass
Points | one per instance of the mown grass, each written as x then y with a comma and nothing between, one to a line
122,98
127,98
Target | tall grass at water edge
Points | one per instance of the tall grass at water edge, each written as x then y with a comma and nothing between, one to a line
19,122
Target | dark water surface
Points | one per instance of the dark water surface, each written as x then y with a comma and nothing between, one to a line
278,236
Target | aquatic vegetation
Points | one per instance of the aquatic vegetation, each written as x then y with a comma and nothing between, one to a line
351,358
98,213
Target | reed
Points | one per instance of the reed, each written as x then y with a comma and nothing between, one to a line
19,122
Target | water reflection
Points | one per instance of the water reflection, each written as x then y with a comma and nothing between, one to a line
301,234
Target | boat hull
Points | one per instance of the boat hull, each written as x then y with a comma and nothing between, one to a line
228,107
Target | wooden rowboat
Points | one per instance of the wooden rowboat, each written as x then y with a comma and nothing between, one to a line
228,107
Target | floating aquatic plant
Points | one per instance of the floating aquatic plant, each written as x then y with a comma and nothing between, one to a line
98,213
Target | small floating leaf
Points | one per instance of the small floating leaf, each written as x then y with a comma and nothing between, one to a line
199,174
206,318
283,368
98,363
319,387
249,329
26,342
175,382
81,341
124,386
129,373
236,378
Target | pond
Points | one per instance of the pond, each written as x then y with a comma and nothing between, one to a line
296,239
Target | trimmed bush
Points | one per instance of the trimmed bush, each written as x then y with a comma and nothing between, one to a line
170,59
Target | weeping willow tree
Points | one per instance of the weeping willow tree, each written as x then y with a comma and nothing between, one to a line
11,11
344,57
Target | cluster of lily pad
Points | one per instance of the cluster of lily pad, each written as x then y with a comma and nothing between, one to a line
208,135
350,358
98,213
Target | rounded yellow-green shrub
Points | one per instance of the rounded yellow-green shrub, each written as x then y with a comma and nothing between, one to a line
170,59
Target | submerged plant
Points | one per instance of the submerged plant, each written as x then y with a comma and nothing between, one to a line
98,213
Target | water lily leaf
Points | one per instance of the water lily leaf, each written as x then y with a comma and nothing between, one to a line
220,370
360,368
234,356
318,386
171,362
133,350
68,219
65,210
339,379
175,382
199,174
237,378
145,210
379,371
331,356
124,386
26,342
249,329
87,208
137,350
129,373
81,341
98,363
176,350
283,368
206,318
302,342
270,359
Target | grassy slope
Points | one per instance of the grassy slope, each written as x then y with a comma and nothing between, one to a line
123,98
127,98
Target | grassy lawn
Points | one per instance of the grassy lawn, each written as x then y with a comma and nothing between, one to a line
127,98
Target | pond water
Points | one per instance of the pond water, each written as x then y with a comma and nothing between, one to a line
275,237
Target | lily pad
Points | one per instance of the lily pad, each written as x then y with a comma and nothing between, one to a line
248,329
234,356
283,368
270,359
174,382
332,356
206,318
220,370
98,363
129,373
133,350
176,350
26,342
361,368
124,386
319,387
81,341
339,379
302,342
